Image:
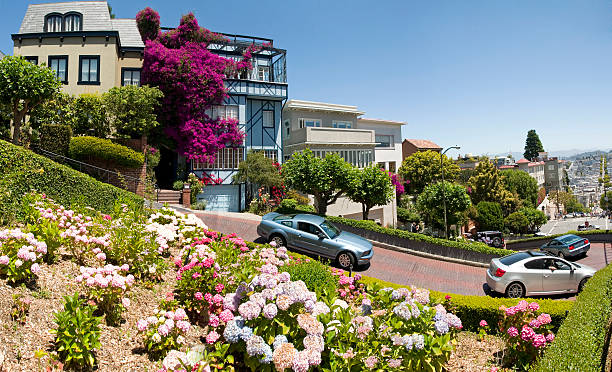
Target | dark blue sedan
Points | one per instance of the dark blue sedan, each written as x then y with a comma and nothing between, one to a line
569,245
314,234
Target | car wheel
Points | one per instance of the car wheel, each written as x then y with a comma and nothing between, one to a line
561,255
515,290
279,240
582,284
497,242
345,260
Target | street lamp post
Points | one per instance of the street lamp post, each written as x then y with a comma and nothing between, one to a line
443,191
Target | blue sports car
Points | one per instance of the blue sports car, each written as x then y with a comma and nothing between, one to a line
569,245
314,234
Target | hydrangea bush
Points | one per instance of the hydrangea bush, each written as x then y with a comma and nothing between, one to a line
525,332
20,255
107,287
164,330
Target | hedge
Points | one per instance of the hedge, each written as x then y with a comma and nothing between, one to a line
581,340
371,225
55,138
86,148
22,171
472,309
536,238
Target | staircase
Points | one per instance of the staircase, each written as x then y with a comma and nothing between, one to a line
169,196
608,252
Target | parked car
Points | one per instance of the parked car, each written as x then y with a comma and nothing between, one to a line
569,245
587,226
314,234
531,273
491,238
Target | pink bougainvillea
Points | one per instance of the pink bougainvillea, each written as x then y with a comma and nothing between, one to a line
191,77
399,186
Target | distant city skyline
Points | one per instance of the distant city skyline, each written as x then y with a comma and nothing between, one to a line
477,74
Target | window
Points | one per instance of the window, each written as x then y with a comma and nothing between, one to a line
560,265
308,227
89,70
535,264
384,141
53,23
310,123
271,154
223,112
72,22
227,158
268,118
263,73
392,166
342,124
287,128
59,65
130,76
32,59
287,223
551,167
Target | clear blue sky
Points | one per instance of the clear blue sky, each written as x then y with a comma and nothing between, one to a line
479,74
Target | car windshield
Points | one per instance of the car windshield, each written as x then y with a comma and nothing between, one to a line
330,229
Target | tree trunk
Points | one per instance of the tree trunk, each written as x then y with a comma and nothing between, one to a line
320,205
365,211
18,116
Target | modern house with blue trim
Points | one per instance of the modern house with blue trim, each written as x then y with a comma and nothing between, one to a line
256,99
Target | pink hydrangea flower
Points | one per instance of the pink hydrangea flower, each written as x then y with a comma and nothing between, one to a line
550,337
483,323
544,318
226,316
198,296
213,321
142,325
4,260
534,323
35,268
212,337
527,333
125,302
513,332
539,340
534,306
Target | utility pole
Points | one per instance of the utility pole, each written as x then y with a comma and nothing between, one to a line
444,191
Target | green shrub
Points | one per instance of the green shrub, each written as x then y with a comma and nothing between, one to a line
23,171
372,226
200,205
316,275
55,138
77,333
407,215
85,148
580,342
537,238
291,205
178,185
490,216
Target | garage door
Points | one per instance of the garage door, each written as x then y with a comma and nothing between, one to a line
223,198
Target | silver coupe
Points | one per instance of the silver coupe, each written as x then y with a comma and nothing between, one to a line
315,235
536,273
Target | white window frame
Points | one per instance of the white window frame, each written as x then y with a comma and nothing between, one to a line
263,73
316,123
221,112
344,124
263,118
227,158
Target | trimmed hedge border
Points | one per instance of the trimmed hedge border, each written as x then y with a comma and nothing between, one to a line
55,138
85,148
581,340
478,252
472,309
22,170
595,236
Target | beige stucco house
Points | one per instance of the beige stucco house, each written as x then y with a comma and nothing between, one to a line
89,51
331,128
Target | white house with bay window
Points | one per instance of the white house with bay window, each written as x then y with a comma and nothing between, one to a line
331,128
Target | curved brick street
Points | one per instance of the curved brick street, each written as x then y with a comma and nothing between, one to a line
397,267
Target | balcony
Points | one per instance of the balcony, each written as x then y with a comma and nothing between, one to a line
332,137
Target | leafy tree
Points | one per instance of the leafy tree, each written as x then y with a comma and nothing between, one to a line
490,216
532,145
258,169
90,116
423,168
487,184
568,200
521,183
430,203
536,218
59,109
606,205
517,222
326,179
372,187
24,85
132,109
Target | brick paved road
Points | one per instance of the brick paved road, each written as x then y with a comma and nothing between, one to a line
397,267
